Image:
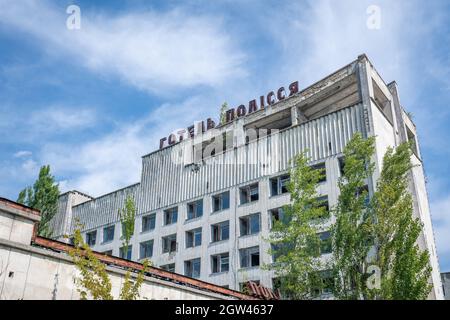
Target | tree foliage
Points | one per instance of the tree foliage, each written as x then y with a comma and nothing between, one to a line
94,281
381,232
294,237
43,196
405,269
127,219
351,232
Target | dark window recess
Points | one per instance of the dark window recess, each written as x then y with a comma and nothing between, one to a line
169,267
323,203
195,209
194,238
220,262
125,255
192,268
278,214
148,222
327,283
249,193
250,224
220,231
170,216
108,234
221,201
91,238
169,243
325,242
108,253
364,191
279,185
412,140
341,162
322,169
146,249
249,257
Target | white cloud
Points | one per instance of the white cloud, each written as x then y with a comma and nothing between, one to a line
30,166
22,154
58,118
114,161
152,51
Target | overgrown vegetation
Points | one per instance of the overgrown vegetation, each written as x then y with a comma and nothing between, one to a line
93,281
377,233
127,220
43,196
294,237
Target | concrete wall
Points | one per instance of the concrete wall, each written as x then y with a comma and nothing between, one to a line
40,273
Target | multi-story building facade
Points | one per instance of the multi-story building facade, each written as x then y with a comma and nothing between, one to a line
206,212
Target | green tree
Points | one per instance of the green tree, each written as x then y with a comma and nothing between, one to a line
127,219
94,280
44,197
352,235
405,269
294,239
223,113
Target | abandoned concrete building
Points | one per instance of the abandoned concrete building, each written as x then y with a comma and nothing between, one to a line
204,212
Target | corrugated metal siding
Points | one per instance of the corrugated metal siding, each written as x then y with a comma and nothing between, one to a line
166,182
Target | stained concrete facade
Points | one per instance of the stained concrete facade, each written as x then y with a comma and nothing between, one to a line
33,268
321,119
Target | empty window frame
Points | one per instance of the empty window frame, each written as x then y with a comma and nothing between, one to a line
221,201
323,203
193,238
341,163
412,140
146,249
170,216
168,267
279,185
148,222
249,193
250,224
277,214
325,242
249,257
127,254
91,238
192,268
220,231
108,234
194,209
220,262
169,243
322,169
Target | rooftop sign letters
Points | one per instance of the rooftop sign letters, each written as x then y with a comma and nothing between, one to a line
231,114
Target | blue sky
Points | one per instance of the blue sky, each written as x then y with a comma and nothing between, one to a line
91,102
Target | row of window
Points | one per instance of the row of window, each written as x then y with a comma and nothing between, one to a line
248,257
220,232
248,194
250,224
